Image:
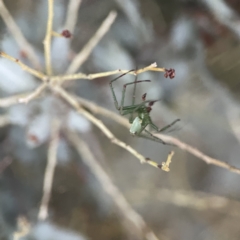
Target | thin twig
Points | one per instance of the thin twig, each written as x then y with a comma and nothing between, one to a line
168,139
24,228
26,68
33,94
194,151
9,101
72,14
82,56
124,209
48,38
74,103
197,200
18,36
49,172
152,67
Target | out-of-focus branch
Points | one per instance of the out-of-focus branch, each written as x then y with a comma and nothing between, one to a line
197,200
4,120
82,56
72,13
124,209
48,38
18,36
33,94
168,139
24,228
22,98
49,172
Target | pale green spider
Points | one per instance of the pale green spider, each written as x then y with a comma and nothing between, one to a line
142,110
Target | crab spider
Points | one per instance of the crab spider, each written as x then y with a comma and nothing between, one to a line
142,110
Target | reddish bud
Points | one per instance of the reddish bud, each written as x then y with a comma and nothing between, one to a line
151,103
144,96
23,54
33,138
66,34
149,109
169,73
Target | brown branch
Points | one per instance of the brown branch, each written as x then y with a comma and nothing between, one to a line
124,209
18,36
168,139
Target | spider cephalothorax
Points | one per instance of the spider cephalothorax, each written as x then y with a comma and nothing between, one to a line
141,111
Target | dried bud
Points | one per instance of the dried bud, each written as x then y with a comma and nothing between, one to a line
66,34
169,73
149,109
144,96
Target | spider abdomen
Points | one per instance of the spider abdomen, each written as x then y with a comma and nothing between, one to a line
136,126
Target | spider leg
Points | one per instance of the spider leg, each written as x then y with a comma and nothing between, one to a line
112,89
151,137
124,91
133,98
164,128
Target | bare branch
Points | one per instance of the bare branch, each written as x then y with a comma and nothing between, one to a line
151,67
49,172
8,101
24,228
26,68
34,94
168,139
197,200
18,36
194,151
48,38
124,209
74,103
82,56
72,15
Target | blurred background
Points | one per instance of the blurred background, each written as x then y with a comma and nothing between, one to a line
200,40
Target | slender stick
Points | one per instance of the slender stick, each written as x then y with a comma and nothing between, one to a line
49,172
197,200
18,36
48,38
124,209
72,14
168,139
82,56
26,68
33,94
152,67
